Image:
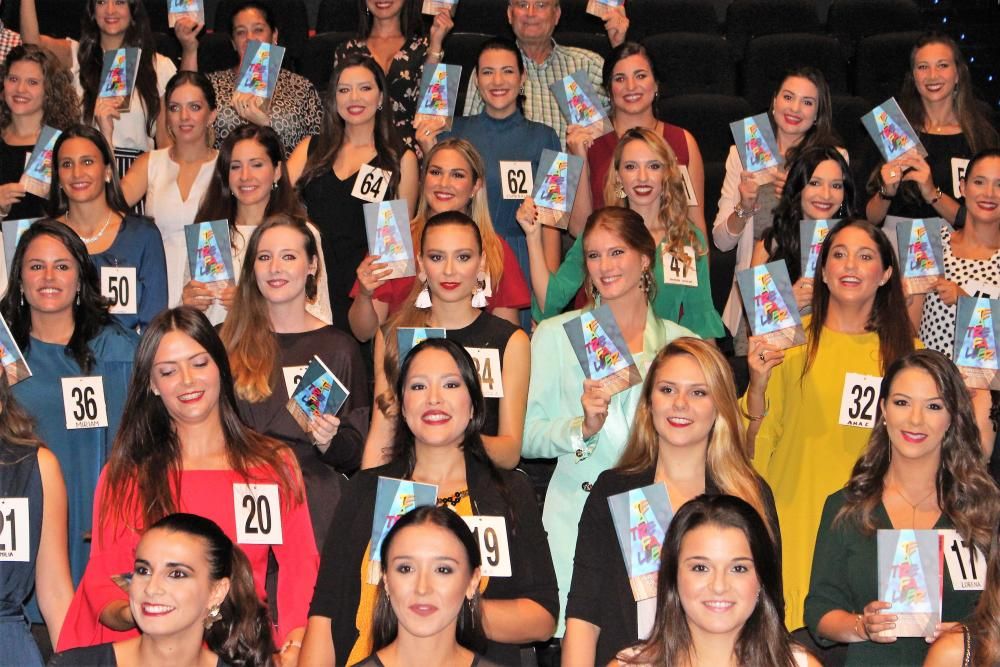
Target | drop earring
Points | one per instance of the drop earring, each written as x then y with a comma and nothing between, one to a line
214,614
479,292
424,297
620,191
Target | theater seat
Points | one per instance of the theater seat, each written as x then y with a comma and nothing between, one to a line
317,58
746,19
769,57
690,64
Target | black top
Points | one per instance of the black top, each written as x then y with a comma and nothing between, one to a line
338,585
20,478
600,593
941,148
102,655
373,661
12,159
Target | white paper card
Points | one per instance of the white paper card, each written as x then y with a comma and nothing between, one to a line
487,362
516,179
688,185
491,534
293,375
371,183
14,535
83,402
258,513
676,272
118,285
966,563
980,289
958,166
859,400
645,611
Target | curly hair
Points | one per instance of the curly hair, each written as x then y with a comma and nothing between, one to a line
61,107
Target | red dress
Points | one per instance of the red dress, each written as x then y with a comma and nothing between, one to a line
602,151
208,493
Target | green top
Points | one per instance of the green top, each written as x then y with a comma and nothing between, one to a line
845,576
700,315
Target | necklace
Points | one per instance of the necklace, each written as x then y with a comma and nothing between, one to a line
454,499
87,240
913,506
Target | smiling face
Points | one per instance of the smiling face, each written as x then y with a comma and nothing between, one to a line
853,270
614,267
172,589
633,87
248,25
358,95
252,175
716,581
533,21
981,189
186,378
499,81
934,72
795,106
385,9
24,88
823,194
641,172
428,579
681,405
449,183
451,261
436,403
916,417
188,114
113,17
82,170
282,264
50,277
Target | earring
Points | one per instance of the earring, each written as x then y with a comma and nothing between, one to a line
22,298
214,614
424,298
479,293
521,91
620,191
645,281
379,107
78,297
311,289
594,294
274,186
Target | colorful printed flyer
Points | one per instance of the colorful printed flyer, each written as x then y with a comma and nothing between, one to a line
12,230
387,224
641,517
37,177
770,304
579,103
319,392
435,7
118,75
259,69
977,330
891,132
602,8
601,349
909,578
408,338
811,236
439,93
556,180
193,9
921,258
210,252
15,366
756,144
393,499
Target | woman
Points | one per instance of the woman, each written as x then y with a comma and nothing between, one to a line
451,262
801,116
646,180
35,90
249,184
800,444
971,256
687,435
437,442
30,473
183,446
938,100
390,32
126,249
187,564
173,180
454,179
271,338
294,112
356,136
922,469
718,545
432,559
575,419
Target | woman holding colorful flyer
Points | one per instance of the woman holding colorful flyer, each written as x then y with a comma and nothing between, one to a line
921,471
78,356
645,178
249,184
437,456
356,139
811,407
687,440
971,257
454,179
184,446
35,91
938,100
272,338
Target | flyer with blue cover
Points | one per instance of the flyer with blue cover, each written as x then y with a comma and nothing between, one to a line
318,392
770,305
977,330
393,499
641,518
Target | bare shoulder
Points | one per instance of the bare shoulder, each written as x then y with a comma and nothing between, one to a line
948,650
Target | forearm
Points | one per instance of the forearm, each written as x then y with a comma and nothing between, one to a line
519,621
503,450
363,318
842,626
317,644
117,615
579,645
30,33
538,269
189,58
876,209
54,604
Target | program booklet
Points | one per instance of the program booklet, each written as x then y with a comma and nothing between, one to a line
435,7
259,69
812,233
12,231
556,180
193,9
909,578
602,8
318,392
393,499
755,143
769,304
601,349
15,366
118,75
408,338
977,329
37,177
579,103
891,132
210,253
387,224
921,257
439,93
641,517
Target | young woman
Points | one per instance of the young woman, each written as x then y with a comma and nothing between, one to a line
173,180
126,249
29,472
249,184
184,446
938,100
645,178
437,442
390,32
451,262
578,420
432,563
718,546
35,90
971,256
271,338
58,318
922,469
454,179
802,117
799,443
188,565
356,134
687,435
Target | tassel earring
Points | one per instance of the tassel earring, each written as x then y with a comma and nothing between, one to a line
479,293
424,298
620,191
645,281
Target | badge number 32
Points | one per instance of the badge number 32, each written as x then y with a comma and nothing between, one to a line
859,400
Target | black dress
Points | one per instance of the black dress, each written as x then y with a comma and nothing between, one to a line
12,159
102,655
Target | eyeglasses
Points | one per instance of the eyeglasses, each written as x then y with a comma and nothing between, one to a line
539,5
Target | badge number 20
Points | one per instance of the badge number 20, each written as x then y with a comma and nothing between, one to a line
258,513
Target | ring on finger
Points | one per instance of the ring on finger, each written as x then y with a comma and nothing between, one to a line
761,356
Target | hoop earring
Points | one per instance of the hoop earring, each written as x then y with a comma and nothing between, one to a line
423,298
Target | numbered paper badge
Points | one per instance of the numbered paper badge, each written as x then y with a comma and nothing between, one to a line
966,563
118,285
487,362
689,192
258,513
860,399
981,290
83,402
14,530
958,167
680,270
516,179
293,375
491,534
371,183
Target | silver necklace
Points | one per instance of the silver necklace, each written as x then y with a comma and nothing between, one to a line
87,240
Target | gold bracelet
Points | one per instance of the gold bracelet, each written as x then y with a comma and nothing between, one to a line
859,625
757,418
290,643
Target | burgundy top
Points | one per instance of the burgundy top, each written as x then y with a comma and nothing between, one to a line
603,149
